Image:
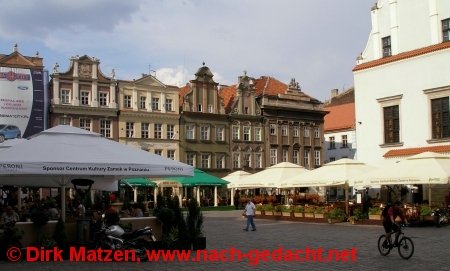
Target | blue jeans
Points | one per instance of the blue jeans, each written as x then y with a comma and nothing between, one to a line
250,222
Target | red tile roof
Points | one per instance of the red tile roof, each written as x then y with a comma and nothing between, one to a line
341,117
401,56
183,91
227,94
269,86
413,151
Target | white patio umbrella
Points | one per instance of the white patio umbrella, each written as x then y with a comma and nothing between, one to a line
272,176
335,173
55,157
424,168
234,178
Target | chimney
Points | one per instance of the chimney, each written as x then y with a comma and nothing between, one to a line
334,92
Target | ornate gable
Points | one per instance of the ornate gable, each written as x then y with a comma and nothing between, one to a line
17,60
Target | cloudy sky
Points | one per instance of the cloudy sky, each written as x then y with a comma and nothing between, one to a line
314,41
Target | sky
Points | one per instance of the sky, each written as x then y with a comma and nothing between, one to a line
314,41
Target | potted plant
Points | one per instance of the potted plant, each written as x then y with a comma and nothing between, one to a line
298,211
194,221
425,212
286,210
278,210
268,209
319,212
309,211
375,213
259,209
336,215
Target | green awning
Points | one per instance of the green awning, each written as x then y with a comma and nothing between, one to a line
137,182
200,178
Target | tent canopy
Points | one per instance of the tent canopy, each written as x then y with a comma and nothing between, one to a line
334,173
271,177
200,178
60,154
235,177
423,168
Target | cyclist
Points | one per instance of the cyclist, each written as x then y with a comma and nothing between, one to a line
389,214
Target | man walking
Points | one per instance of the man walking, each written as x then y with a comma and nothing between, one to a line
250,213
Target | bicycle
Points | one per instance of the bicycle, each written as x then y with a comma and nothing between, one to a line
404,245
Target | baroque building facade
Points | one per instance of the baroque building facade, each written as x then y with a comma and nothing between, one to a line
149,117
84,97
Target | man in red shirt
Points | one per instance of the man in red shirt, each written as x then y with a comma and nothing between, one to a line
389,214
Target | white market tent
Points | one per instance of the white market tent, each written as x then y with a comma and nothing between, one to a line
234,178
54,157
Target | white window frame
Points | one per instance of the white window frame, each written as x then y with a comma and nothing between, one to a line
306,154
273,156
86,124
247,133
295,131
170,131
284,130
105,128
316,157
65,121
155,103
295,157
220,133
190,159
258,160
284,155
273,129
190,131
129,129
142,102
169,105
103,98
220,160
258,134
157,131
127,101
65,96
236,160
236,132
85,97
171,154
145,130
204,132
206,160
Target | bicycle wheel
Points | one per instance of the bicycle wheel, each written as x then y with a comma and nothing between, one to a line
383,245
405,248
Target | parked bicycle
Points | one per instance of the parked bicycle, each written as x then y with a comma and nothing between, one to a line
403,243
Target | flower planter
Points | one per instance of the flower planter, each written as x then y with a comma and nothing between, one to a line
319,216
259,212
298,214
288,214
277,213
309,215
374,217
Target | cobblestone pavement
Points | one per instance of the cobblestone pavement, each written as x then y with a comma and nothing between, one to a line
224,231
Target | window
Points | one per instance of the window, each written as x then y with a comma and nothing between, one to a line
236,133
257,134
220,160
386,41
105,128
440,118
284,155
247,160
295,156
210,108
236,160
190,159
273,129
127,101
446,30
204,132
85,97
158,152
145,130
306,131
171,154
295,132
220,133
142,102
344,141
155,103
199,108
391,124
158,130
306,159
103,98
170,131
332,143
65,96
64,120
190,131
247,133
317,158
129,129
85,124
206,160
316,133
258,160
284,130
169,105
273,157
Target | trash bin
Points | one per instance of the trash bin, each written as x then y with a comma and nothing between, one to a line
83,230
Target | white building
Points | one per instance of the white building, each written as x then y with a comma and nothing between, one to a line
402,84
402,81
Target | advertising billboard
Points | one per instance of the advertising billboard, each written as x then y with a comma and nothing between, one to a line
22,102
